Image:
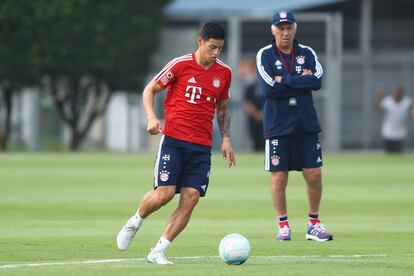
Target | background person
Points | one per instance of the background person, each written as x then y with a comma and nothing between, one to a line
396,108
252,102
253,105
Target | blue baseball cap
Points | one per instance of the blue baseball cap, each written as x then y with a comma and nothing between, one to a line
283,16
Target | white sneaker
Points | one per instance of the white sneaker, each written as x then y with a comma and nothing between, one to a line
158,257
126,235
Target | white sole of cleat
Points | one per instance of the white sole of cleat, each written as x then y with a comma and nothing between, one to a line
313,238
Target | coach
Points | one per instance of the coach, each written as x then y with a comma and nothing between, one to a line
287,73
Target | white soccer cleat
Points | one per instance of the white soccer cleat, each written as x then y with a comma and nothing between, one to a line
158,257
126,235
316,232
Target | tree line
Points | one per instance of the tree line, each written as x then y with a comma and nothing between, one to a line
80,51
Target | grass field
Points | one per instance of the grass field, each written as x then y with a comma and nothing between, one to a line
60,213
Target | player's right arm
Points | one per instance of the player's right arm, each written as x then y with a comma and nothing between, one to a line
164,78
153,123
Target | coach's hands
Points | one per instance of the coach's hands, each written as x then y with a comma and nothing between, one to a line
227,151
153,126
307,72
278,79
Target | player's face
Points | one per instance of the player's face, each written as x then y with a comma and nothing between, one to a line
210,49
284,34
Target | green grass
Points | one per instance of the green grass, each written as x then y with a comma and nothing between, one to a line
62,208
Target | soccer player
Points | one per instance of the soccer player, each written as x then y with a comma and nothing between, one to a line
287,73
198,85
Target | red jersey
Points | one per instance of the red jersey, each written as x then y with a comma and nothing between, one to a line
192,97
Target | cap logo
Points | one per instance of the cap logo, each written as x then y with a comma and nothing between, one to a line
283,14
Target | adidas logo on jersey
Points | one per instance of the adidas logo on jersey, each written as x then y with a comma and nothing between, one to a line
192,80
278,63
319,159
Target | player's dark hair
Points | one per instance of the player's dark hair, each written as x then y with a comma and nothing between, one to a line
212,30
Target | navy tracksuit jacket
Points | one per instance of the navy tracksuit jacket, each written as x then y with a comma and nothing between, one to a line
288,106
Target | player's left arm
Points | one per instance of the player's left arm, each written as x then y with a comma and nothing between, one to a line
311,77
223,120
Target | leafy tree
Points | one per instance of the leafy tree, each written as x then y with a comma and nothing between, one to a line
86,48
16,57
90,48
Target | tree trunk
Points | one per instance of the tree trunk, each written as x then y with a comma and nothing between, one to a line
4,136
70,99
76,140
100,105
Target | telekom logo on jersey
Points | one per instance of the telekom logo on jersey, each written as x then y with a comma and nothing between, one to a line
193,92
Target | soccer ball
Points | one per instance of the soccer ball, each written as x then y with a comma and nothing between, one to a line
234,249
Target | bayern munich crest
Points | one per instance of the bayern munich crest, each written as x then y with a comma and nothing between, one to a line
164,176
300,59
275,160
283,14
216,82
